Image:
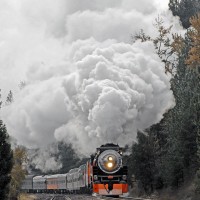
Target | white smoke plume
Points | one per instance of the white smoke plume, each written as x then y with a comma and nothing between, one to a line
118,88
85,83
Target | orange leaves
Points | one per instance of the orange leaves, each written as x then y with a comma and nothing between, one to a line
193,59
178,43
19,155
18,171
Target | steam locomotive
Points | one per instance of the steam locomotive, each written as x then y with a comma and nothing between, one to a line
103,174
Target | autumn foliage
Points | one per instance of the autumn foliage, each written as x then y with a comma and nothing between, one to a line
194,33
18,171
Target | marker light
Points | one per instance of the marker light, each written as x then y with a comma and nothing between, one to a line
124,177
95,177
110,158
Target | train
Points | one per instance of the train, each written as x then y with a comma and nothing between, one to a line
104,174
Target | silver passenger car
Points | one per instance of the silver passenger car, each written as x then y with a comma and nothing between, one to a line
62,182
73,181
27,184
40,184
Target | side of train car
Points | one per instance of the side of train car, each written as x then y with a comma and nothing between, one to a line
104,174
75,181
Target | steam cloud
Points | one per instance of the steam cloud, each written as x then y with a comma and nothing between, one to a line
117,89
85,83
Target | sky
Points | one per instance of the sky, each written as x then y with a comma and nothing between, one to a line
84,78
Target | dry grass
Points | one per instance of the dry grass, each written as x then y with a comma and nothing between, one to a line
27,197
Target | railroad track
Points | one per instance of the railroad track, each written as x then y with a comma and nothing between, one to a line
122,198
61,197
116,198
83,197
43,197
89,197
52,197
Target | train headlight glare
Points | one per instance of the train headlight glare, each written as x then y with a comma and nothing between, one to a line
110,165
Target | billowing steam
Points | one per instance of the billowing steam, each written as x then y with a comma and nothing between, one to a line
117,89
85,83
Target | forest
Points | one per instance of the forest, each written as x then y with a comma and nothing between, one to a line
167,154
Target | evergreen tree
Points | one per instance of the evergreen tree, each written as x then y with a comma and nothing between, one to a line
194,53
174,6
180,160
9,98
67,157
6,162
142,162
194,62
159,139
184,9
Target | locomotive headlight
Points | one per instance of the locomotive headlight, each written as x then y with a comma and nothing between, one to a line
110,165
109,161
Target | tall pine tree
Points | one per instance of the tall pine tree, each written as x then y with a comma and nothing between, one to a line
184,9
142,162
6,162
9,98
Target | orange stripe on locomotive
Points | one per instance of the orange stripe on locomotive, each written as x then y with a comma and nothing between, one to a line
118,189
